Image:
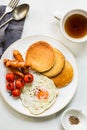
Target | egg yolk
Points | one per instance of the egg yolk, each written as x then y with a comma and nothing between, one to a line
42,94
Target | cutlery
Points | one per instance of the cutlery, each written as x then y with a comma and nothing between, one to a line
19,13
10,7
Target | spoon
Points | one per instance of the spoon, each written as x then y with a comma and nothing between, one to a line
19,13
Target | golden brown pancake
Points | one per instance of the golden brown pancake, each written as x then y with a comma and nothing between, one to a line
58,65
65,77
40,56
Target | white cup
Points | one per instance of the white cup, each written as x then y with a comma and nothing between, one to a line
77,27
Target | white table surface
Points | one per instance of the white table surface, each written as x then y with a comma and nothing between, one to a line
40,21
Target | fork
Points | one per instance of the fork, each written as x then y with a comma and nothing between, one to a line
10,7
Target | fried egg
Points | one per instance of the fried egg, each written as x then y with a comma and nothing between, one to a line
40,95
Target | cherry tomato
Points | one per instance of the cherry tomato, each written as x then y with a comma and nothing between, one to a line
28,78
19,83
10,86
10,77
16,93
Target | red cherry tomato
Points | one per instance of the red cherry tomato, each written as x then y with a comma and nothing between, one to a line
10,86
19,83
28,78
16,93
10,77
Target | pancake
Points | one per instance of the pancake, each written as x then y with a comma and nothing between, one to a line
65,77
58,66
40,56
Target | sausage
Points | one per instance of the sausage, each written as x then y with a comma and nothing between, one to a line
15,64
6,60
17,55
16,71
25,70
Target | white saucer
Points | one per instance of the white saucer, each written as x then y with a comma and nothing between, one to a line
80,124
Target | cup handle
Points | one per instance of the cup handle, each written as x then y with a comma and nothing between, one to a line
57,15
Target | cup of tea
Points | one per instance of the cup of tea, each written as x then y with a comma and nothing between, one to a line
74,25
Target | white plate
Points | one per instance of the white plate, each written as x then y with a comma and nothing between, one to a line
65,94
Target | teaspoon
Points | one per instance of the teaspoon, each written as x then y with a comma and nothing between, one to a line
19,13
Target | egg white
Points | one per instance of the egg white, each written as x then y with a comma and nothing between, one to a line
31,102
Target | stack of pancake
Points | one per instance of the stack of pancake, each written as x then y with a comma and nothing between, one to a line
49,61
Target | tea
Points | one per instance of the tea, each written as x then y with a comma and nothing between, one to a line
76,26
